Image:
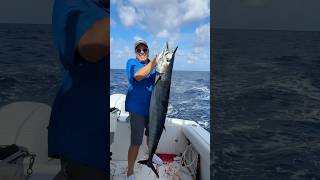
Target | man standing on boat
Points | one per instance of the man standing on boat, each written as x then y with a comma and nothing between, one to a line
77,132
141,75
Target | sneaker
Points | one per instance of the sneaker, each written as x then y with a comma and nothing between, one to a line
157,160
131,177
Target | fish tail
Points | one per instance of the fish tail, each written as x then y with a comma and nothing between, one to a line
150,165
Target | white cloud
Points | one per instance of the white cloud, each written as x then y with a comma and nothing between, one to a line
164,21
163,34
164,18
190,62
149,3
124,53
136,38
128,15
201,44
120,52
195,10
153,48
202,34
197,50
191,58
154,44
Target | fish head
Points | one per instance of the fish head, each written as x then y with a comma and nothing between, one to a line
166,59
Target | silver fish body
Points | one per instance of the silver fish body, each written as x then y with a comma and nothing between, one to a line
159,103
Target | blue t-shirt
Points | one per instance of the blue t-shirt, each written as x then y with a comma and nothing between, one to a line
139,92
79,124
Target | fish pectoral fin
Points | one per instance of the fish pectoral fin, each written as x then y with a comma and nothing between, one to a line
158,77
150,165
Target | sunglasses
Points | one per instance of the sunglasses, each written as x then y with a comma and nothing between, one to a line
140,50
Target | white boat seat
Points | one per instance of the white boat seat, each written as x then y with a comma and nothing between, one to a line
118,101
114,116
25,124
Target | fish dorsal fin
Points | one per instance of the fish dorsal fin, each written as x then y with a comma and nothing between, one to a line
174,51
167,46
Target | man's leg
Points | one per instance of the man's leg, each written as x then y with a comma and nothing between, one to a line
132,156
137,126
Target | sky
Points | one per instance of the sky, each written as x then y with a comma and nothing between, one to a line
247,14
267,14
26,11
182,23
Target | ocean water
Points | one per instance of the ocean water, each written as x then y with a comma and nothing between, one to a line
189,94
266,105
29,66
29,71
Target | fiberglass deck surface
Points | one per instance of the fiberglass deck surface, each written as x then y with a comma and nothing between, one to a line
167,171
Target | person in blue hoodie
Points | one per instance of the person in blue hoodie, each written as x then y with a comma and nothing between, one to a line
78,129
141,74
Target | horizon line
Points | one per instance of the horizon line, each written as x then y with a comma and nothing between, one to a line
24,23
173,70
211,27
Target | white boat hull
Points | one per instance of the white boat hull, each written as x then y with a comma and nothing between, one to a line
174,139
26,125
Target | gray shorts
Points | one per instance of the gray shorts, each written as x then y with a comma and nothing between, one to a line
137,124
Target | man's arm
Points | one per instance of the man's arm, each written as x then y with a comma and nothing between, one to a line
94,44
144,71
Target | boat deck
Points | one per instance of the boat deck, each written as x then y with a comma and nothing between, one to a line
167,171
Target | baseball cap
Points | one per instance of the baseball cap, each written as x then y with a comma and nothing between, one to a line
140,42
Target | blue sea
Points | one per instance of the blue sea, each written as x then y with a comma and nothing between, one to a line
266,113
266,96
189,94
29,71
29,66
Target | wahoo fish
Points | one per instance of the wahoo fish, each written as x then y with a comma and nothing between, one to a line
159,102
